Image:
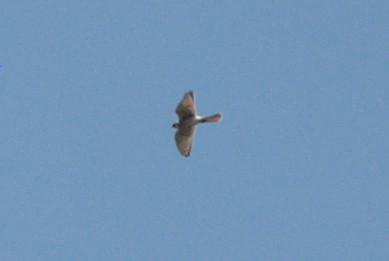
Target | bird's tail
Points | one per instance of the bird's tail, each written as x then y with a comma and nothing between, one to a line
213,118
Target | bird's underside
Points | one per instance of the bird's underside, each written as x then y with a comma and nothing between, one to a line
188,120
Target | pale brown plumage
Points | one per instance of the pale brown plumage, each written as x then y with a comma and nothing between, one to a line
186,112
187,123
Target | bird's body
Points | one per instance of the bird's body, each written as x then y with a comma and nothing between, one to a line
188,119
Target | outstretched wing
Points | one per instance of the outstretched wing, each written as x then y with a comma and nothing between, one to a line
186,108
184,139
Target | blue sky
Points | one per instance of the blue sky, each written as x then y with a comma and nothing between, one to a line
297,170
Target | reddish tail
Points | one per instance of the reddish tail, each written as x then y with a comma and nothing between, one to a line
213,118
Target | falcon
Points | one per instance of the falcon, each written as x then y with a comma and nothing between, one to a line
186,125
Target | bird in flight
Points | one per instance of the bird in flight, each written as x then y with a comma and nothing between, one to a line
186,125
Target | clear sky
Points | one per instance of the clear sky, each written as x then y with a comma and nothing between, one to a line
298,169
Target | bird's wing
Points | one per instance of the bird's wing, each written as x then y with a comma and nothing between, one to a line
186,108
184,139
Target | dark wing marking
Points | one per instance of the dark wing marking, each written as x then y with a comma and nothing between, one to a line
186,108
184,139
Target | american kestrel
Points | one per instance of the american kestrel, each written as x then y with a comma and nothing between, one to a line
188,119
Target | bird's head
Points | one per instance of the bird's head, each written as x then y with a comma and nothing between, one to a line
176,125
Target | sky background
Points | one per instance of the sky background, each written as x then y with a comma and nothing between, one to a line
298,169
